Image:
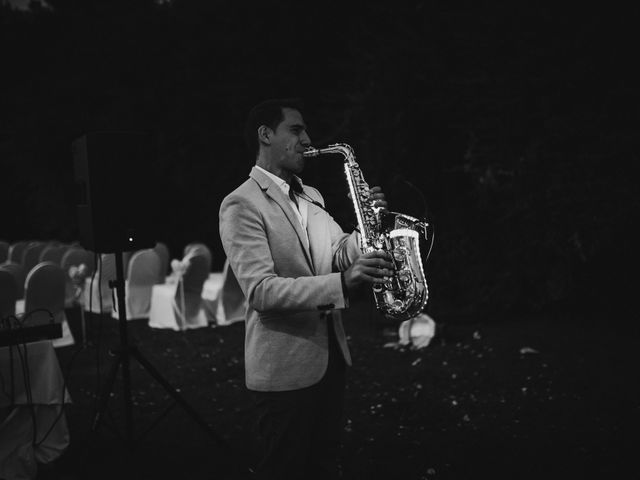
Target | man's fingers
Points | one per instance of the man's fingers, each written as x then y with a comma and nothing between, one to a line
377,262
378,266
377,272
377,254
372,279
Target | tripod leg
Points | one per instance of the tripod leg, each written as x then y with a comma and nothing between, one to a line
106,392
179,400
128,402
231,456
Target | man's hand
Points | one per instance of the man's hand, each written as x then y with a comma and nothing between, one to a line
377,197
369,268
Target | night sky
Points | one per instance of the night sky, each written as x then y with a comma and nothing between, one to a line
513,129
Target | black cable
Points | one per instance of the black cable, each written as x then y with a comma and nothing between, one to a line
66,374
8,325
4,386
433,236
422,197
26,372
26,379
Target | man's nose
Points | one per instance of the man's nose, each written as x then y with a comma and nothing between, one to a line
305,140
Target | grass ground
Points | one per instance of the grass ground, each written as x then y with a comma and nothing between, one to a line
552,395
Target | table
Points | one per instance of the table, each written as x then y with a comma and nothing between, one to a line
18,455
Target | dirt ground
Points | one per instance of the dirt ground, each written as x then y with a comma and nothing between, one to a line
550,395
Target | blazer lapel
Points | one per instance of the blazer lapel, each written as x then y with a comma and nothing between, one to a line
317,232
276,194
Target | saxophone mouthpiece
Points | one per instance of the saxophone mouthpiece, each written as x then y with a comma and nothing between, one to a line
311,152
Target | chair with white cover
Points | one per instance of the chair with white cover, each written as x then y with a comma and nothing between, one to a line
190,307
4,251
16,250
228,304
417,331
17,271
179,305
44,300
126,258
31,255
76,256
8,294
53,253
33,424
144,268
97,292
163,252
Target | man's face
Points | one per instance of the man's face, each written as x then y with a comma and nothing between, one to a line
288,142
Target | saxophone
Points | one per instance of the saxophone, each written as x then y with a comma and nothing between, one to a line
404,295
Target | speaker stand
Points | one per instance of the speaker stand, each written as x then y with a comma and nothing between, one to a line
126,351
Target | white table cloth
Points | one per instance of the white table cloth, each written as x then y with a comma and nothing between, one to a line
18,456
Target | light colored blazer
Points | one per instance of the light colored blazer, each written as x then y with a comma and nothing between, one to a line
289,286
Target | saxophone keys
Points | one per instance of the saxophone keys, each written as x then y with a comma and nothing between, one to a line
398,256
397,305
404,277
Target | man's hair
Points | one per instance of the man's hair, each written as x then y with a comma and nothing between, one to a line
269,113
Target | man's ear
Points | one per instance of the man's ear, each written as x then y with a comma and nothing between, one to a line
264,134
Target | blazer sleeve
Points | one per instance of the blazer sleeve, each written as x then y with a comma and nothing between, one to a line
244,239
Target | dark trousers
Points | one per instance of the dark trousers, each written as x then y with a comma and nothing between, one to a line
300,430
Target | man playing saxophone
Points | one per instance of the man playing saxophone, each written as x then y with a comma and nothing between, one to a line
296,267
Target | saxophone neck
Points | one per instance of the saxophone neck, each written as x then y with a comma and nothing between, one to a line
342,148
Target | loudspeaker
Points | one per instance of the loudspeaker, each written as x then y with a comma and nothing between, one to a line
114,175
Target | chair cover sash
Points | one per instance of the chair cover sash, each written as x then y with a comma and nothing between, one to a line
188,298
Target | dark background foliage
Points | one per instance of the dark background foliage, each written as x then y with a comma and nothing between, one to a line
512,128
